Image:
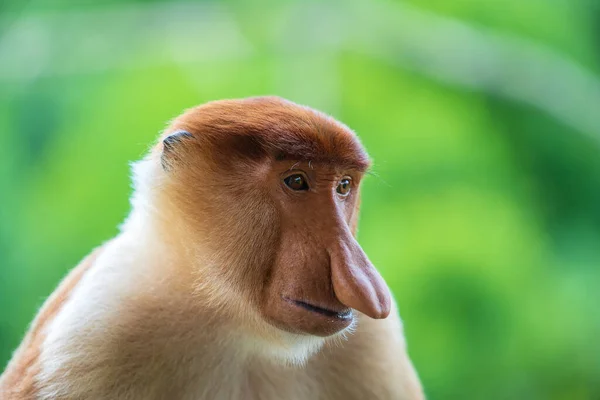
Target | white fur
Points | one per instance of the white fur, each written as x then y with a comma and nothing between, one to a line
84,334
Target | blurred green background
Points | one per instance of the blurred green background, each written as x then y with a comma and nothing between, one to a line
483,119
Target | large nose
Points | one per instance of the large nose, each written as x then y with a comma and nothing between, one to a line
356,282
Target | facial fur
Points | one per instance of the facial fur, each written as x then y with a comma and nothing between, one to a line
290,254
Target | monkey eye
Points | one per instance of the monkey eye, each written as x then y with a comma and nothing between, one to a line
296,182
344,186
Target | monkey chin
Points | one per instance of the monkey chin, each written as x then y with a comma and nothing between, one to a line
291,348
293,330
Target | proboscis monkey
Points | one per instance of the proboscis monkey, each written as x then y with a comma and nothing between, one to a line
236,275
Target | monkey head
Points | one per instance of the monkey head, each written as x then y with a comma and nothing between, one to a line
264,196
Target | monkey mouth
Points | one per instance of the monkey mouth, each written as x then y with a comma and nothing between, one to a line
345,314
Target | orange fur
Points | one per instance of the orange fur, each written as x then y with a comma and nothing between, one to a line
255,126
18,382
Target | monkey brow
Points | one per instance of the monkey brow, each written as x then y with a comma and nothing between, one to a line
345,164
358,162
339,150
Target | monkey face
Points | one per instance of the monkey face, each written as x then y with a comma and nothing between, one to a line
320,274
273,188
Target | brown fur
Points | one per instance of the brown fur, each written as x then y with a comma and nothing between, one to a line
256,127
18,382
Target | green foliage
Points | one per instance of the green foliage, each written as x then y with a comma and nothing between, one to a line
483,213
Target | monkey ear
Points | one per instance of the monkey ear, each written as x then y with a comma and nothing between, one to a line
170,144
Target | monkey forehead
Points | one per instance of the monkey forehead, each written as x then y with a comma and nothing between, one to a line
271,125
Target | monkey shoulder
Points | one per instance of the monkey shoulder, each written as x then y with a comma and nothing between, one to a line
21,378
